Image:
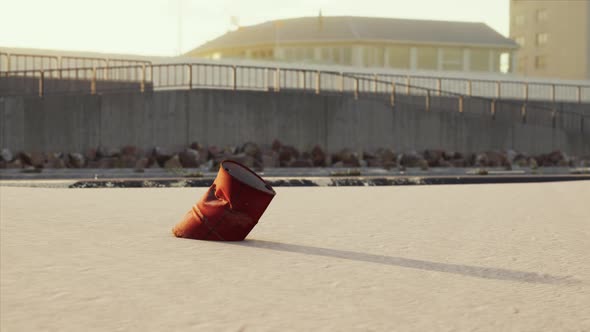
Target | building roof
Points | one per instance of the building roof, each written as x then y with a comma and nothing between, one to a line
348,28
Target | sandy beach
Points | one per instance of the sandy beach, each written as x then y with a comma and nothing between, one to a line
415,258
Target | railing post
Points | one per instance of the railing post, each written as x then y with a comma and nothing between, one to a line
234,71
460,104
438,86
375,83
93,82
41,83
304,79
301,79
356,88
392,98
469,88
493,108
427,100
142,84
553,92
190,76
526,92
553,118
408,84
266,79
523,113
341,82
277,81
579,94
317,82
497,90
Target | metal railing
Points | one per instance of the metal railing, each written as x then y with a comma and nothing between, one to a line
205,72
25,62
394,90
207,75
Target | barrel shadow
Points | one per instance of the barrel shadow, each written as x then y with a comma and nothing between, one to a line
460,269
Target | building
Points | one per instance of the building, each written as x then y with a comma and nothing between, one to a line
554,38
368,42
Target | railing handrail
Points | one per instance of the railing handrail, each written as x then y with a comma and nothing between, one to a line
363,77
251,66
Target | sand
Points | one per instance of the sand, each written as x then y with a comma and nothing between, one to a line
419,258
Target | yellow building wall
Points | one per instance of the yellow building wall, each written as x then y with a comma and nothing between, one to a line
555,38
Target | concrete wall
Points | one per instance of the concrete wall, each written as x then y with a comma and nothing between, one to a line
174,119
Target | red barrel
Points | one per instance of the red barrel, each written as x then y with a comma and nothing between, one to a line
230,208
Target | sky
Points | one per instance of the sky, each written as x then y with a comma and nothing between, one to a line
163,27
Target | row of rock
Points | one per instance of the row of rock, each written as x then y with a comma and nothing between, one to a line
278,155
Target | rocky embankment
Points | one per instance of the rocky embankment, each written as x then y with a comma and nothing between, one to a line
279,155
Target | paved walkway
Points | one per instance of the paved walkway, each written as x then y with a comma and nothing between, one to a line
421,258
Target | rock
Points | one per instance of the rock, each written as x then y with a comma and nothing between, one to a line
245,160
347,157
423,164
520,160
161,156
91,154
445,163
251,149
16,163
196,146
25,158
230,150
190,158
213,152
433,157
75,160
481,160
447,155
557,158
458,163
287,155
338,164
496,159
31,169
276,145
127,161
318,156
173,163
108,162
130,150
270,160
38,159
6,155
302,163
54,160
511,155
386,155
410,159
141,164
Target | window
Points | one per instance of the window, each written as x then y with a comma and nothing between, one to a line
520,41
542,39
541,15
452,59
373,56
540,62
519,20
522,65
427,58
505,65
399,56
480,59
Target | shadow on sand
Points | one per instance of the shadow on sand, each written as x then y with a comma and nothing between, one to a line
465,270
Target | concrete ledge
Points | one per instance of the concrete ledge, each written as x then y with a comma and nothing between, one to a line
337,182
